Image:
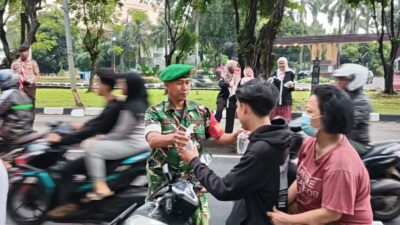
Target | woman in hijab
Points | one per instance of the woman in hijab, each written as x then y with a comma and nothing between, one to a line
226,98
248,75
283,79
125,139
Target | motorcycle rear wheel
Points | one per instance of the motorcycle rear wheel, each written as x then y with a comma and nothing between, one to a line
389,206
27,204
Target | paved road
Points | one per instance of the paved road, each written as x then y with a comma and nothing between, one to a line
224,160
378,83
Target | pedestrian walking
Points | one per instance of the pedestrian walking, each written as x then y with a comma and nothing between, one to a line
283,79
226,98
28,71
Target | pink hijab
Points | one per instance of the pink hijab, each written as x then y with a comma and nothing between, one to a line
232,78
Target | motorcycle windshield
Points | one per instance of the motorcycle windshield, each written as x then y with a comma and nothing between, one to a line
139,219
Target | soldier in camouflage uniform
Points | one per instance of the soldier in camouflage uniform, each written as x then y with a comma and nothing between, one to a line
176,113
28,70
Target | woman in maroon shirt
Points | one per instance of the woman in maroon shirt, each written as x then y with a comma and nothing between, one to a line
332,183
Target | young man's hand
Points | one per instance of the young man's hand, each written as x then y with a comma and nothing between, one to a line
54,137
278,217
181,141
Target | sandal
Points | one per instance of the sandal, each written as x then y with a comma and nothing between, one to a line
63,210
95,196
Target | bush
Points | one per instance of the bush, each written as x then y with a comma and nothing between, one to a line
150,79
379,72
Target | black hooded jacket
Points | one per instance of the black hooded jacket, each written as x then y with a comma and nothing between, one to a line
256,182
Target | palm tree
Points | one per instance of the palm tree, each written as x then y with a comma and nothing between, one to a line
341,10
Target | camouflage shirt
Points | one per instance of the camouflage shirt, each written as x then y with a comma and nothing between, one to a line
164,119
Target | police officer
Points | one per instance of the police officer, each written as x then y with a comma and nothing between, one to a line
28,70
166,122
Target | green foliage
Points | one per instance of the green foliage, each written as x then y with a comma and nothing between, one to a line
185,44
365,54
147,70
216,31
49,50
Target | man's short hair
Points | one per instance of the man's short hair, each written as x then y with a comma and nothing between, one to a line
23,48
260,95
107,76
336,109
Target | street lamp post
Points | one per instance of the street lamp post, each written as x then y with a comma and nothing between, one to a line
315,74
113,53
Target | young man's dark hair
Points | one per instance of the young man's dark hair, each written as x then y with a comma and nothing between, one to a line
336,109
259,181
260,95
107,77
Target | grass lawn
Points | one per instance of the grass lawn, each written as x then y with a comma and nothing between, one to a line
48,97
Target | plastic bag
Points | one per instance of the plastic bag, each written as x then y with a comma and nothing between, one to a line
242,142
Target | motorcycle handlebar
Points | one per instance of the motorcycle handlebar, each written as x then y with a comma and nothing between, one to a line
168,203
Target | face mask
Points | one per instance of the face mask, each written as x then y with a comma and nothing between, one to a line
306,125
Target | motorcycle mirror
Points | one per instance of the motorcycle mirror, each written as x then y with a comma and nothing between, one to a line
206,158
166,173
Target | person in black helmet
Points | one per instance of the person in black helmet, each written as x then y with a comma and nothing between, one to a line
15,108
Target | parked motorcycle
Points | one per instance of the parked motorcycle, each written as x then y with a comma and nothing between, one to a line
173,203
36,183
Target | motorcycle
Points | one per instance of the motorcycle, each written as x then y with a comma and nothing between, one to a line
382,163
173,203
36,183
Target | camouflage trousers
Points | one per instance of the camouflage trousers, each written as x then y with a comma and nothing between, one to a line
202,214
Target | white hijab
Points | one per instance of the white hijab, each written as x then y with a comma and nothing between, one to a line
279,73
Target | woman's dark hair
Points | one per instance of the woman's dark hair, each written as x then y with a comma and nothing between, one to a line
260,95
136,100
336,107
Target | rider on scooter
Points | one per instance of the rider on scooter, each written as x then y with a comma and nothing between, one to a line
15,108
101,124
351,78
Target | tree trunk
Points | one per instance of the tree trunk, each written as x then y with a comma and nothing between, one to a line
9,56
235,4
168,60
389,79
24,21
268,35
247,39
92,73
31,7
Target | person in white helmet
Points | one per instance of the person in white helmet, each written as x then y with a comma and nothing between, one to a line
351,78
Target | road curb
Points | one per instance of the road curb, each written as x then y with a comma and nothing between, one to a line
94,111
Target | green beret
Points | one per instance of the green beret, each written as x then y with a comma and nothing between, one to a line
175,72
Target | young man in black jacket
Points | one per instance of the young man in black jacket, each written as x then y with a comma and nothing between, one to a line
102,124
259,180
